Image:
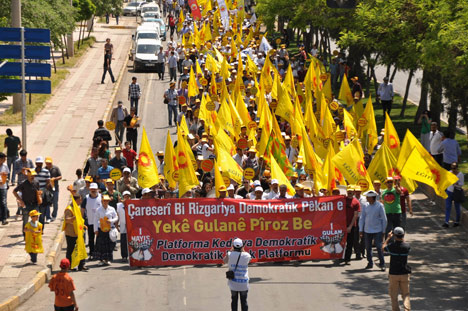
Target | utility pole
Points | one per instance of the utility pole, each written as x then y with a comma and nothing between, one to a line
70,45
16,23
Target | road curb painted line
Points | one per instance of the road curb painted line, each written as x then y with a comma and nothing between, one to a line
118,27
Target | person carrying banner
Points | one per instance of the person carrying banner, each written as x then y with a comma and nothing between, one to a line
70,234
238,260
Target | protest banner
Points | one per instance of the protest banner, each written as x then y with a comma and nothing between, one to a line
200,231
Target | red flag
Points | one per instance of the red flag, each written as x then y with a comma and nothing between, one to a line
196,14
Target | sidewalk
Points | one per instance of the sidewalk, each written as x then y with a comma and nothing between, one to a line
62,130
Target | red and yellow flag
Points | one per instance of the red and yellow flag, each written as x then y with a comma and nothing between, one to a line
147,170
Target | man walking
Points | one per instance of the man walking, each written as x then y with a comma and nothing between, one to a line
117,117
172,63
399,273
385,94
391,201
352,213
134,93
131,124
435,139
90,204
372,225
55,176
70,233
28,198
12,144
102,132
20,168
160,62
107,67
238,260
4,172
170,98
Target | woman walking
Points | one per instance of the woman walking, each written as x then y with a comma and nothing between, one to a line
104,221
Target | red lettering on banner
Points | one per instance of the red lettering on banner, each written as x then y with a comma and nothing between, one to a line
200,231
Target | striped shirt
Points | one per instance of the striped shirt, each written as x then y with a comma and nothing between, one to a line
42,177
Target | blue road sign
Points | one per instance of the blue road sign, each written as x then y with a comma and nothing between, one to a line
32,86
32,69
30,35
31,52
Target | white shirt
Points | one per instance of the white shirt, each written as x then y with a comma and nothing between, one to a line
238,159
92,204
102,212
121,215
4,170
291,153
271,195
161,168
79,184
240,282
435,139
205,152
459,183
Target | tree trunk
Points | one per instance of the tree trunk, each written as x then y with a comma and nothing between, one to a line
64,41
53,58
79,35
393,74
436,96
423,97
405,98
376,84
452,113
368,80
464,110
389,67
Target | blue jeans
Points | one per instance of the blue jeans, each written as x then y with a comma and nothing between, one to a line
448,207
243,299
172,109
377,237
3,205
55,203
134,103
11,175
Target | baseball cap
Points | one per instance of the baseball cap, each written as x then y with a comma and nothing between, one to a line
126,192
371,193
145,191
258,188
231,187
274,181
127,170
64,263
237,243
48,160
256,183
398,231
93,186
39,159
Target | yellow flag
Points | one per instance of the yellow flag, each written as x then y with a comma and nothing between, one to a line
423,168
368,128
288,83
391,137
348,123
181,21
277,173
192,85
266,125
170,162
345,92
350,162
383,164
219,182
285,107
251,66
409,143
212,65
79,252
225,68
327,89
242,110
228,165
147,170
183,126
187,177
208,35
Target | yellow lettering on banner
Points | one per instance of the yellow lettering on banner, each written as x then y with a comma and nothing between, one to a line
299,223
267,225
171,227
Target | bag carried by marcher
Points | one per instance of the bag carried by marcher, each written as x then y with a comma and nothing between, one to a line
113,233
230,273
458,195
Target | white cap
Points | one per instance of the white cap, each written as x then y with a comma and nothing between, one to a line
237,243
40,159
257,183
127,170
126,192
398,231
258,188
145,190
371,193
231,187
274,181
93,186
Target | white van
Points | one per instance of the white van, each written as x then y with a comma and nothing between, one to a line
150,7
147,28
144,54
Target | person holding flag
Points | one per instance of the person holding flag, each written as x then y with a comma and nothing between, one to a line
74,227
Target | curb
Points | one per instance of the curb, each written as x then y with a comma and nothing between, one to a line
40,279
118,27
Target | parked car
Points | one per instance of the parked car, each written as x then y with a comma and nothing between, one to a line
149,16
131,8
150,7
162,26
145,57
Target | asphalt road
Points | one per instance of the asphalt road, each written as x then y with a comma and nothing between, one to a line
438,257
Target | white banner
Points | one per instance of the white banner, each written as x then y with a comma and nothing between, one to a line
223,10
